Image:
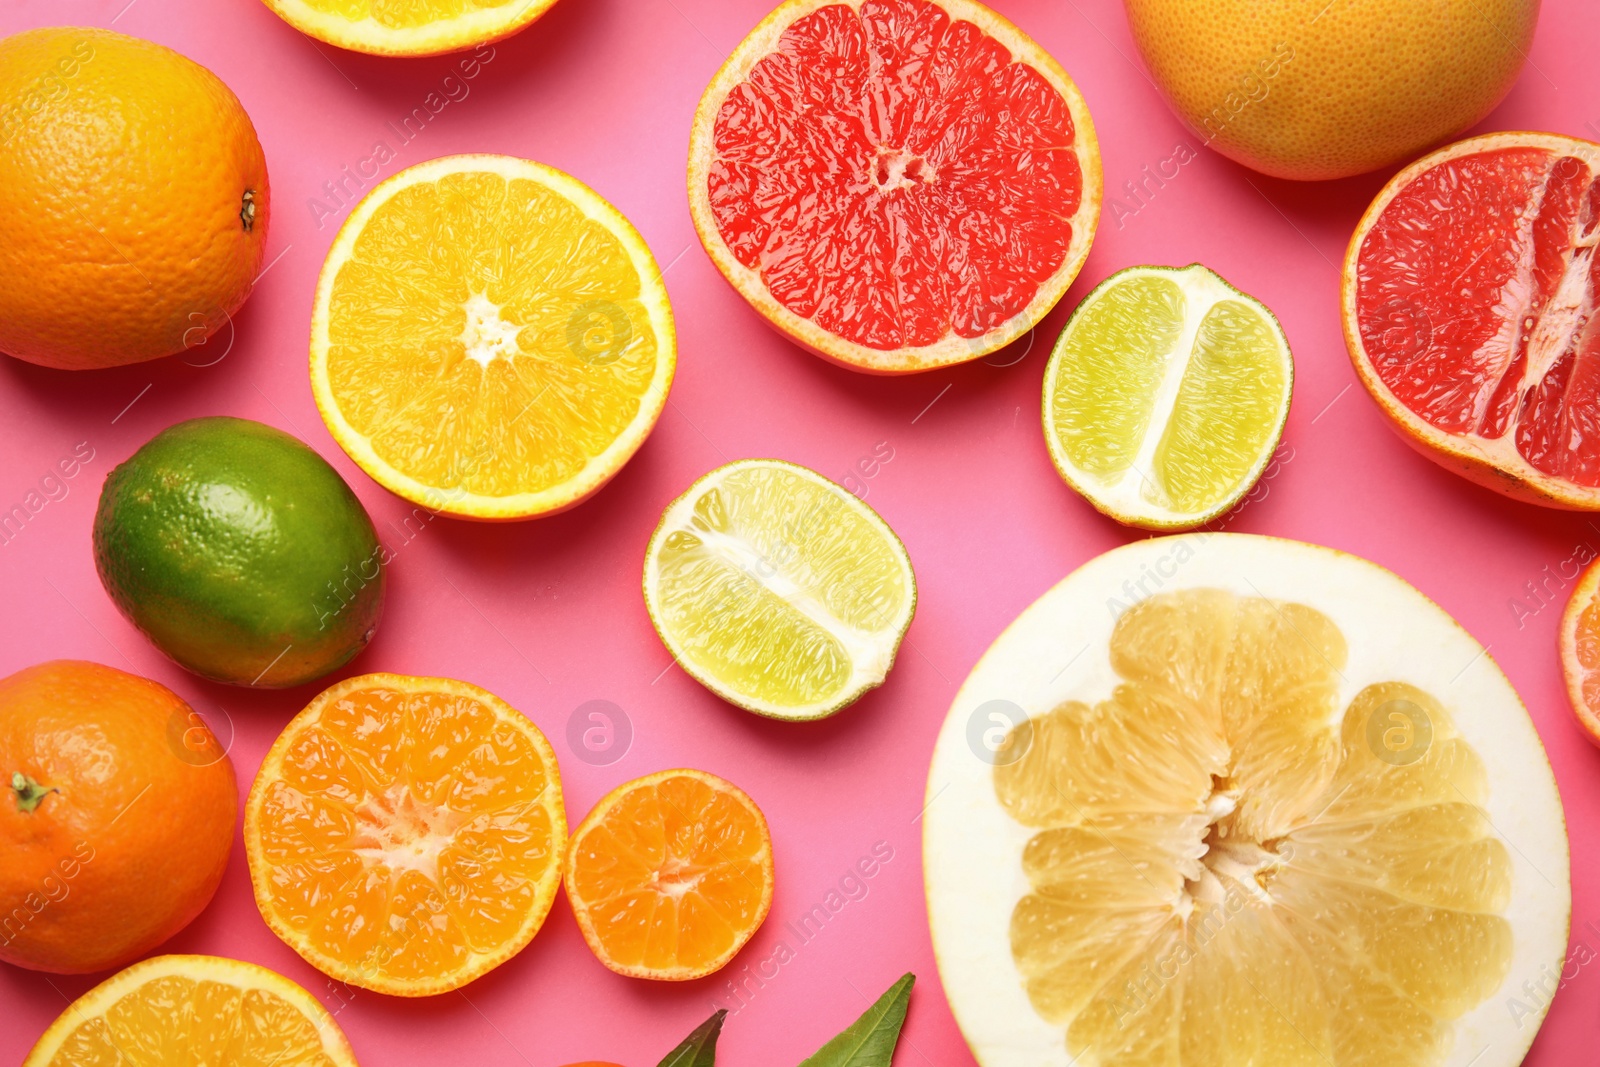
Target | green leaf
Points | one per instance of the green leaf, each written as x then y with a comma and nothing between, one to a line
871,1039
699,1049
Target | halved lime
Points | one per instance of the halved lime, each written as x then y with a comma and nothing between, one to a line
1166,396
778,590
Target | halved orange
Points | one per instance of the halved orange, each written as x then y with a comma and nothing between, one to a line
198,1010
670,875
895,184
406,834
1469,292
1579,642
409,27
490,339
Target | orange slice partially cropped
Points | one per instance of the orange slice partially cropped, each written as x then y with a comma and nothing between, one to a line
406,834
490,339
895,184
409,27
670,875
195,1010
1579,641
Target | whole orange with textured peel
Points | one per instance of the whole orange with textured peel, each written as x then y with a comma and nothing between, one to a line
670,875
895,185
406,834
194,1010
133,200
116,820
1315,89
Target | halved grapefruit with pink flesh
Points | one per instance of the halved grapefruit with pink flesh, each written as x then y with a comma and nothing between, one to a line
896,185
1469,309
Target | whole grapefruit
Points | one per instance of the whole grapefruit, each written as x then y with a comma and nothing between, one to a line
133,200
1316,89
116,820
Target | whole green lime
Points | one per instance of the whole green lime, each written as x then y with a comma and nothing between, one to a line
240,553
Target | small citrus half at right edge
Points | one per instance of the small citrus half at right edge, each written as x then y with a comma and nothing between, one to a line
1257,802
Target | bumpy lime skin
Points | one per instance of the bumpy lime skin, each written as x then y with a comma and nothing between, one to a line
240,553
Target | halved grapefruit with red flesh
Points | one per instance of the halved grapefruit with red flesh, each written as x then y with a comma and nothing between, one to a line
895,184
1470,291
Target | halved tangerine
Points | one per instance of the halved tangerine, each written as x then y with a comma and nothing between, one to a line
1469,300
406,834
670,875
895,184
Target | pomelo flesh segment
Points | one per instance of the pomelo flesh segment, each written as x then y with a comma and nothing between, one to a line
1476,292
1225,870
895,175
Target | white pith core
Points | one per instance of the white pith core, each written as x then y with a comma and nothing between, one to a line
487,336
397,831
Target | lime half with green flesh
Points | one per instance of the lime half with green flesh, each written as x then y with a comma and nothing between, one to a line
1166,396
240,553
778,590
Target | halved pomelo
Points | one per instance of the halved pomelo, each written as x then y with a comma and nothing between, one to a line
1469,298
1219,800
895,184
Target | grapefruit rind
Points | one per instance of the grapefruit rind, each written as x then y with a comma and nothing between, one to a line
601,468
1057,650
580,910
952,349
485,25
1492,463
1123,501
870,669
478,963
236,973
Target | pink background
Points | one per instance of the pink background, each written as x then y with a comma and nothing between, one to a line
548,614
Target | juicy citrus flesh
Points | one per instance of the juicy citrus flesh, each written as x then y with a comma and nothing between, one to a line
409,27
778,589
897,175
194,1009
1166,395
406,835
670,875
1230,869
1474,291
493,339
1579,641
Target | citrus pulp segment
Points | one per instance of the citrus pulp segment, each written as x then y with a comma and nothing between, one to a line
1221,800
194,1009
1579,644
778,590
409,27
1166,396
1469,294
406,834
491,339
670,875
894,184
